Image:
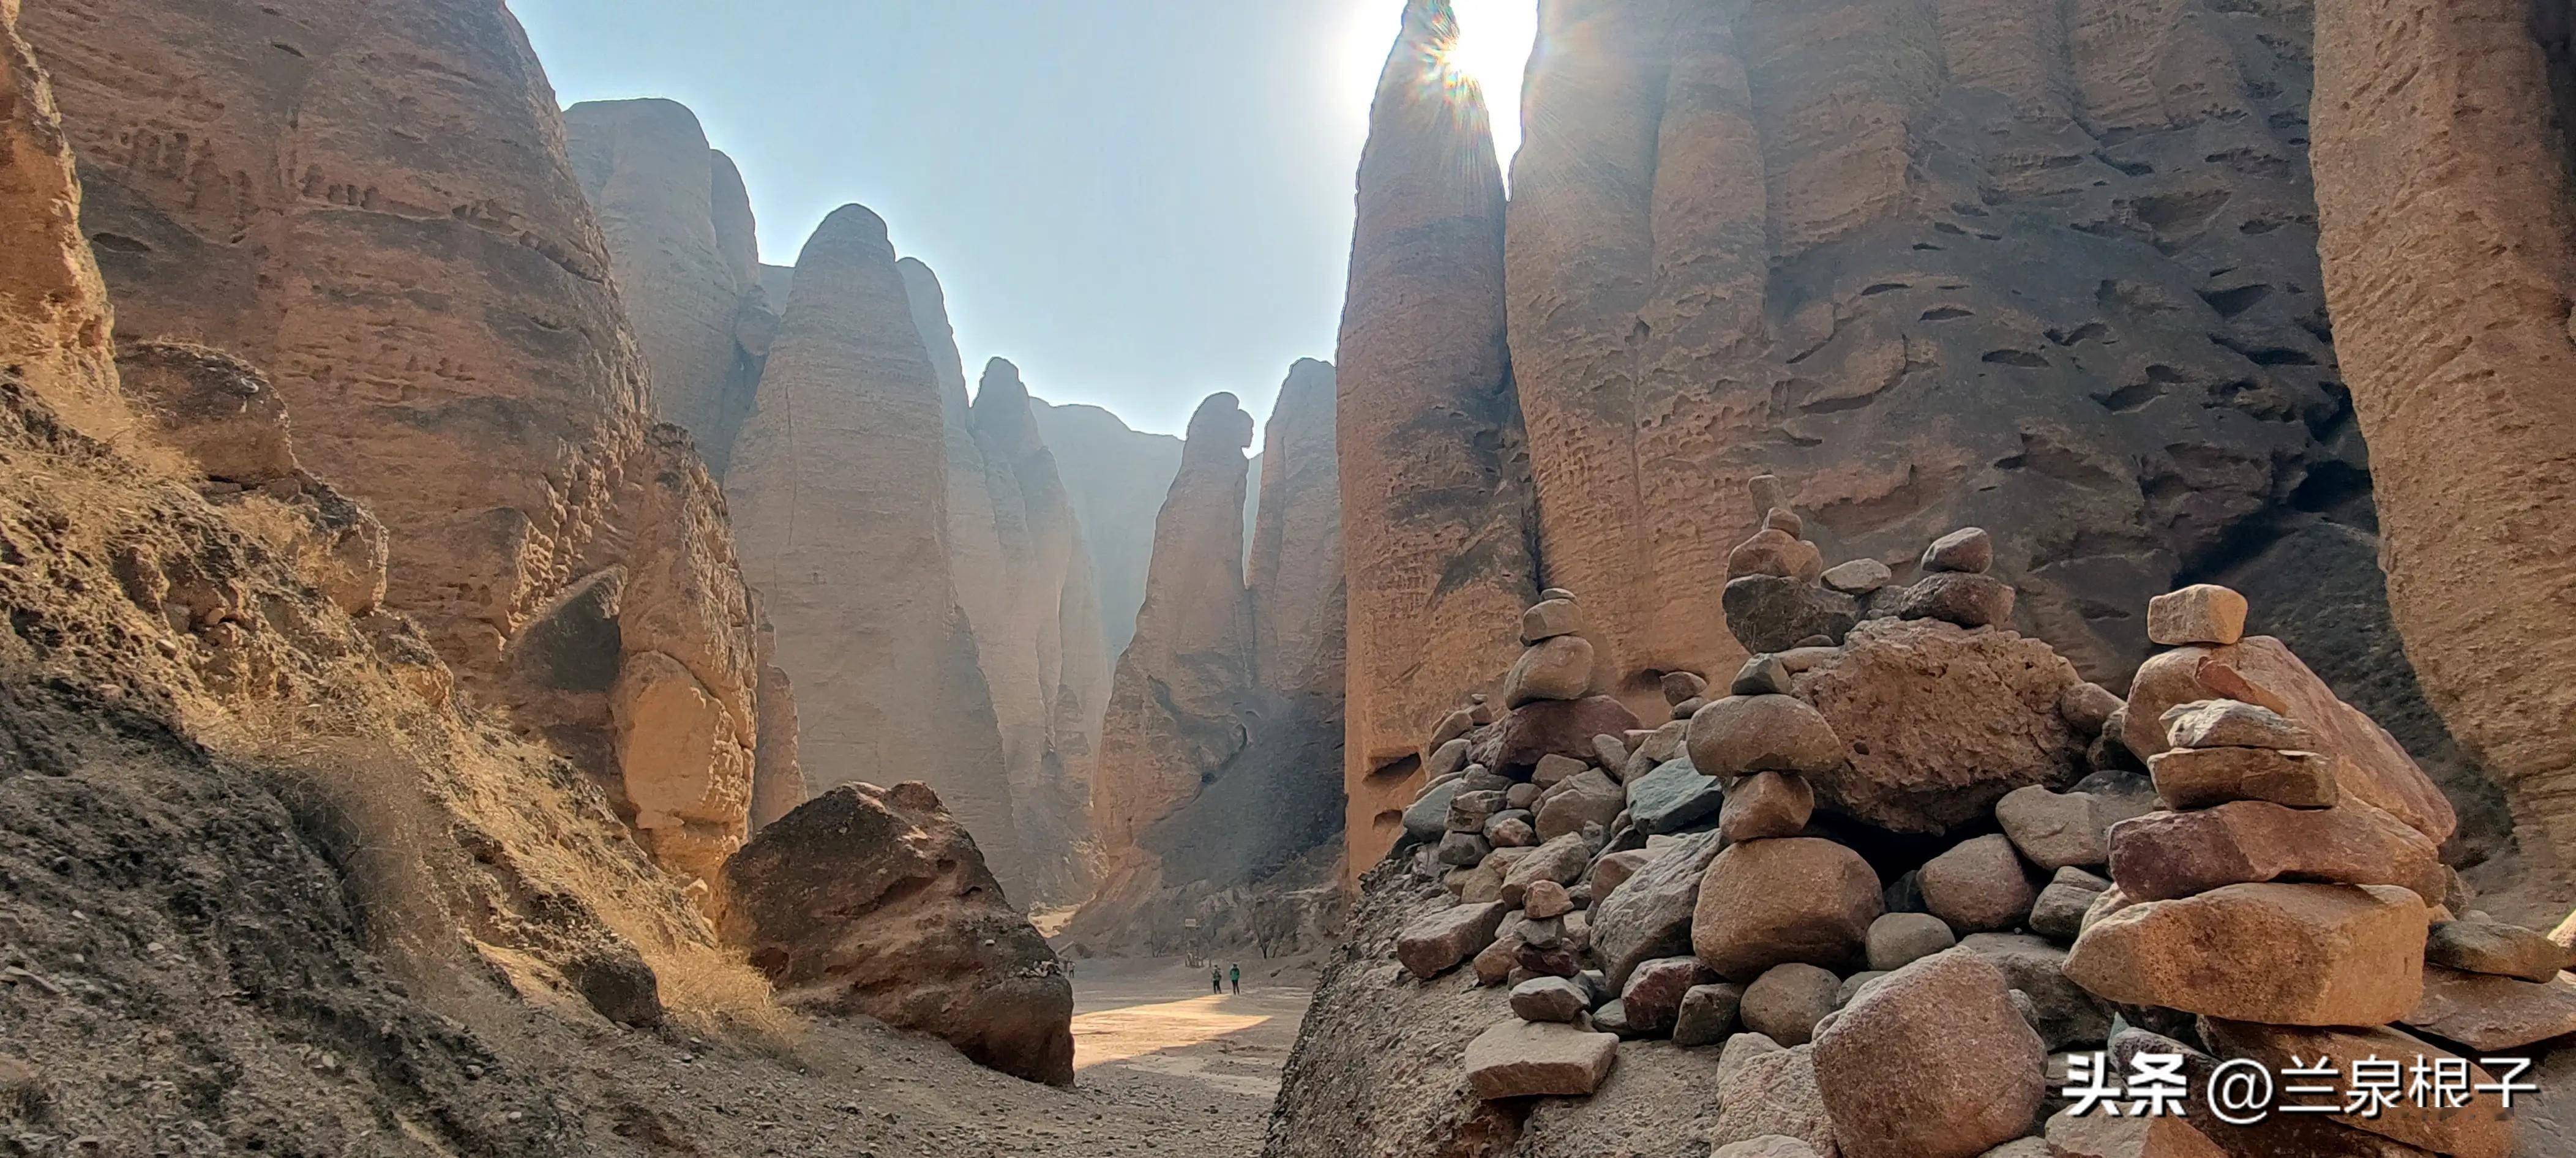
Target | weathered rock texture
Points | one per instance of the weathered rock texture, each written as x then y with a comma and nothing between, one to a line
678,225
1244,790
1049,620
872,900
1433,476
1117,478
407,252
1256,809
2449,249
1176,706
839,496
2044,268
54,319
1934,264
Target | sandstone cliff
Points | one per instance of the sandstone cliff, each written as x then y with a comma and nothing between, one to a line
1176,698
1229,815
1117,478
838,491
678,225
1052,612
408,254
2048,269
2449,252
55,326
1434,517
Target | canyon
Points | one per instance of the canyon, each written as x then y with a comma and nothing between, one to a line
498,666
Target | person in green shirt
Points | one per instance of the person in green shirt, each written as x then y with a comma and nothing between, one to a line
1235,975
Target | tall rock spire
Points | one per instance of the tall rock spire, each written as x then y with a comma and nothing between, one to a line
839,497
1432,476
1175,702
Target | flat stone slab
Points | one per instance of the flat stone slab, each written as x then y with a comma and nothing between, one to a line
1525,1059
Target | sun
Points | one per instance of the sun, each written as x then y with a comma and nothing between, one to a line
1492,50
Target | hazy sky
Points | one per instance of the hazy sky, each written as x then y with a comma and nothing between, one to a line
1139,201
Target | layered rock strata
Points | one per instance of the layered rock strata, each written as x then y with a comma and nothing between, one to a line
2448,239
838,491
1432,475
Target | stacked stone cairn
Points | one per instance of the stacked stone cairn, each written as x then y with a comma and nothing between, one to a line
1857,871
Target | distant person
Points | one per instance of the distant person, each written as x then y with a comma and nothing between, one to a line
1216,980
1235,975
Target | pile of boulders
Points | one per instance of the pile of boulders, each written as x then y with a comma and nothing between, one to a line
1906,868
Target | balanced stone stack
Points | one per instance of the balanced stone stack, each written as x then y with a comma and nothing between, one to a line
1857,866
2289,917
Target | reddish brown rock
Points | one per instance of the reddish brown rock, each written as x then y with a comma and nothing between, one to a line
1766,902
2279,953
874,901
1653,994
2163,855
1932,1061
2482,1128
2486,1012
1435,493
2445,244
1437,943
2260,670
1940,722
1763,1090
55,324
2201,777
1649,915
1550,727
1979,886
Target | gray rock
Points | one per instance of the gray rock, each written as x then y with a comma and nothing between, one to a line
1858,577
1649,916
2059,912
1463,849
1769,613
2234,724
1707,1014
1428,817
1587,797
1673,797
1897,940
2055,829
1762,675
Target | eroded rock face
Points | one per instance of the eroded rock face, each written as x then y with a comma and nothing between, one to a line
54,319
678,225
1176,700
1051,615
1430,465
409,255
838,489
2446,245
873,900
411,260
1117,478
1220,755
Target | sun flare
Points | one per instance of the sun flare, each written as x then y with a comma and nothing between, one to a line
1491,51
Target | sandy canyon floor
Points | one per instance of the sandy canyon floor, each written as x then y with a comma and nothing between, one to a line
1162,1066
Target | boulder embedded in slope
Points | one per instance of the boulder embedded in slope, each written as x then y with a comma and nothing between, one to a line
1435,944
1649,914
875,901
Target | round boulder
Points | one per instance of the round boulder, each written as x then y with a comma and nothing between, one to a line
1767,902
1741,734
